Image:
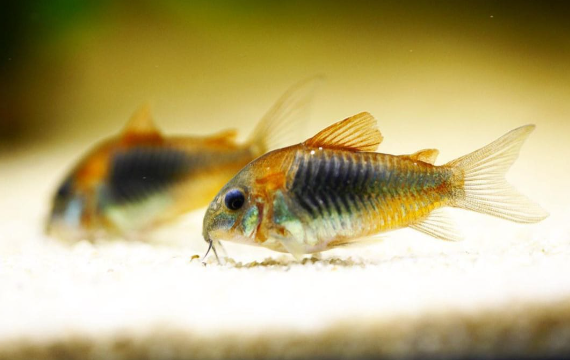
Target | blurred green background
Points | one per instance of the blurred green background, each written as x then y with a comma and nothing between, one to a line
73,71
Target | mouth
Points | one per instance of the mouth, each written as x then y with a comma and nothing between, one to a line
59,229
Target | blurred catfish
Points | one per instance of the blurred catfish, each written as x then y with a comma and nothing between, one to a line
141,179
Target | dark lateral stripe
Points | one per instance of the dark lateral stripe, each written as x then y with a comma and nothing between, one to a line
345,174
324,171
359,176
346,189
307,205
300,174
140,172
334,213
331,184
336,203
335,170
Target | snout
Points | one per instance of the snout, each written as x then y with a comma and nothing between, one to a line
58,228
208,223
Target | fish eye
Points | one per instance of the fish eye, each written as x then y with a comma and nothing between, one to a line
234,199
65,189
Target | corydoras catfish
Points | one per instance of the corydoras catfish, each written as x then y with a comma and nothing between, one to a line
334,190
141,179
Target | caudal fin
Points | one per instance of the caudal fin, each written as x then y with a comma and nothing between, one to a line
280,125
481,183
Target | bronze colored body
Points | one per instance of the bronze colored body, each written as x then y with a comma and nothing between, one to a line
332,190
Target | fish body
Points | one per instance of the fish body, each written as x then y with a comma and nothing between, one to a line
333,190
141,179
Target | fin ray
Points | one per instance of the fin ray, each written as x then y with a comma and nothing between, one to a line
481,183
293,248
141,127
291,110
356,133
438,225
141,121
225,137
426,155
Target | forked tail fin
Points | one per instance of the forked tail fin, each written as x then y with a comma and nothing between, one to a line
481,183
282,123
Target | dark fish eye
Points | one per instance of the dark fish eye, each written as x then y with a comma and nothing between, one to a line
65,189
234,199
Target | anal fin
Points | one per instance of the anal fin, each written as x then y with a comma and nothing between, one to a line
438,225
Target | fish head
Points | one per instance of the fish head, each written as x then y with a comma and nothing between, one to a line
69,211
81,194
235,212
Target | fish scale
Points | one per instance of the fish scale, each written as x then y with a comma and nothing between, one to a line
363,192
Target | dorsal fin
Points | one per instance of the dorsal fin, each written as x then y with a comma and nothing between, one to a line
286,118
426,155
356,133
141,126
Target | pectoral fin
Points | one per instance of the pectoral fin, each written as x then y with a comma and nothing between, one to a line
293,247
